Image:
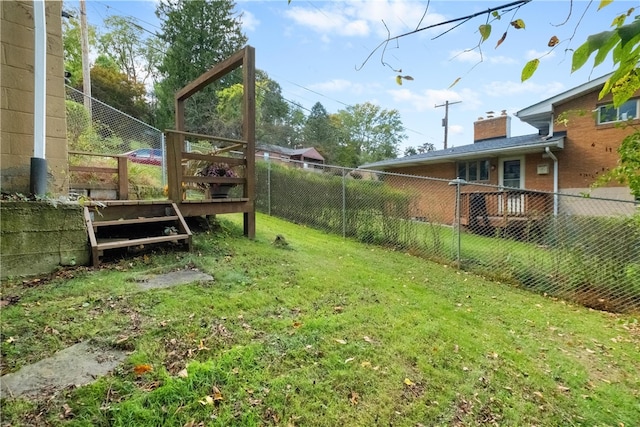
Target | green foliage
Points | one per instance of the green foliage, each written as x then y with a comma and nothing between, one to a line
374,213
198,34
125,43
116,90
78,124
367,133
73,48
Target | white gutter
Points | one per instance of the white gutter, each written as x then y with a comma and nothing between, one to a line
38,162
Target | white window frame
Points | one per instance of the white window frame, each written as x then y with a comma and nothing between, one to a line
477,162
619,115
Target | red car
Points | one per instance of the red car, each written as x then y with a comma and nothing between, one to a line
147,156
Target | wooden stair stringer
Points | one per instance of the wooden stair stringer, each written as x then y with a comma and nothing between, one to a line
98,247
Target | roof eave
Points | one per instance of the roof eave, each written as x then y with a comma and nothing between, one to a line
557,143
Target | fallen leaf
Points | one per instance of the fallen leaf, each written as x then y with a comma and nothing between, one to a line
10,340
201,346
217,394
351,359
354,398
208,400
339,341
538,394
369,340
142,369
297,324
563,388
365,364
183,373
408,382
338,308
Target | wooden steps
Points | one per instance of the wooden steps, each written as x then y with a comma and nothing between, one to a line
134,227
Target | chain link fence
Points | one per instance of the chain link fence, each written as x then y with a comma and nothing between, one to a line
581,249
96,132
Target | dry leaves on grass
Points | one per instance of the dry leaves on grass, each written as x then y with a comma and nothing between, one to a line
142,369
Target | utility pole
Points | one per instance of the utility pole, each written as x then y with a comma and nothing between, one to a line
84,38
445,121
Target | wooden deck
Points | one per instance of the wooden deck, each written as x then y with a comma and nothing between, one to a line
484,212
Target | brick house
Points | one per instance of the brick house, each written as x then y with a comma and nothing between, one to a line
17,93
307,157
561,157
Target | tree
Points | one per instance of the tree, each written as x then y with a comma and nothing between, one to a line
198,34
368,133
272,112
73,49
319,133
137,56
113,88
421,149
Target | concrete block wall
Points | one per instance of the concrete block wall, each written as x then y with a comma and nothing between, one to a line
17,98
37,237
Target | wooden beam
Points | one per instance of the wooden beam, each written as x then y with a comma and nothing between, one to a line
218,71
211,158
207,137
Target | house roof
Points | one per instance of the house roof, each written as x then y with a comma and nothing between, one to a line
487,148
540,115
309,152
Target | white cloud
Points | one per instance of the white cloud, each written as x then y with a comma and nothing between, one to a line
510,88
344,86
359,18
428,99
328,21
249,21
533,54
473,56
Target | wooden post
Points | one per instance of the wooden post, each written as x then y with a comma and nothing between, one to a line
174,167
123,178
249,135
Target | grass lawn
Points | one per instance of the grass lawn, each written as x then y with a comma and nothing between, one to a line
323,332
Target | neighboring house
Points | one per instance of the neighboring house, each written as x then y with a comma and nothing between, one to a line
561,158
17,106
302,157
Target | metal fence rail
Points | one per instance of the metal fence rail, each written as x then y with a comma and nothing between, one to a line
582,249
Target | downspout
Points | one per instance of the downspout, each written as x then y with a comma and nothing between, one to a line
555,180
38,177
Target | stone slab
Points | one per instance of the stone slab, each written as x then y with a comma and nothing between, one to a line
174,278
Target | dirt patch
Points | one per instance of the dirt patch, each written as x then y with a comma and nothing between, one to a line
174,278
77,365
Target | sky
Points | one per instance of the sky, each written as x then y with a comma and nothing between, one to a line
328,52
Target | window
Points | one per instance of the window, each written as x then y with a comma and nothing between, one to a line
609,114
475,170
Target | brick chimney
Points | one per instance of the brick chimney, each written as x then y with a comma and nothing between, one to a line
492,126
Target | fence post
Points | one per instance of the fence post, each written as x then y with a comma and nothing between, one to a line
344,204
458,182
269,186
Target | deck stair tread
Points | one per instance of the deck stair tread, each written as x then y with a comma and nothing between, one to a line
134,228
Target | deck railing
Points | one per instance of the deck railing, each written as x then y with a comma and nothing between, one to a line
121,186
500,208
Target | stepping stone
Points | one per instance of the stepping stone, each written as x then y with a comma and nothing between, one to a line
174,278
77,365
